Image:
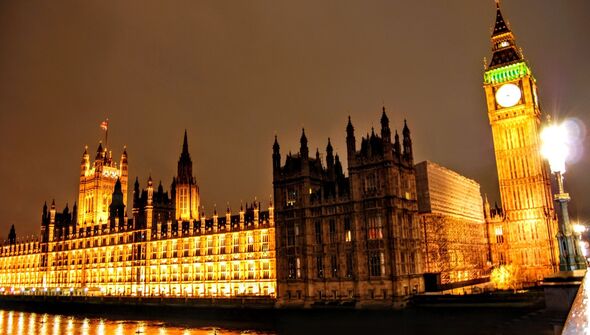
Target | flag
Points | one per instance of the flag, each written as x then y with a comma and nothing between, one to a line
104,125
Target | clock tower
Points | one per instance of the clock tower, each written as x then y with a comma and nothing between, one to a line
528,229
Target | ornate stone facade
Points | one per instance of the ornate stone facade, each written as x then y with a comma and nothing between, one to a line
348,240
168,248
529,225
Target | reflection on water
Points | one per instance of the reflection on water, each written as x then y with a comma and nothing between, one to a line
23,323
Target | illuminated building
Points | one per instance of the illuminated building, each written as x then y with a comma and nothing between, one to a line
451,214
353,239
168,248
529,227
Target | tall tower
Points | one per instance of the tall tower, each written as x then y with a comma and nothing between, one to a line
97,183
185,187
514,112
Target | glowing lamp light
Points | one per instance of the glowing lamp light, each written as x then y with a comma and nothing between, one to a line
579,228
555,147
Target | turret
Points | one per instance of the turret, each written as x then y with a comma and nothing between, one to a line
330,160
99,152
85,164
350,140
117,207
150,191
136,193
12,235
52,212
124,173
385,131
303,150
408,154
276,156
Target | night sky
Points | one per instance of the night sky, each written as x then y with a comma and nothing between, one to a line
234,73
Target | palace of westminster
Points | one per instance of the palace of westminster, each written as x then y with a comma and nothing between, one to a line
383,231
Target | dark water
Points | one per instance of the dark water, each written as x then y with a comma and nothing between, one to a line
27,323
411,321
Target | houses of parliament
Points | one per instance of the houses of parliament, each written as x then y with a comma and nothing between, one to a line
374,236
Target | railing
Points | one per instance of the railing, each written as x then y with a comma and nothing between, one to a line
578,319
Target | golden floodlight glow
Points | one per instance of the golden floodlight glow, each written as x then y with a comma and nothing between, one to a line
555,147
579,228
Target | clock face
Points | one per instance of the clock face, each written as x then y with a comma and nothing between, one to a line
508,95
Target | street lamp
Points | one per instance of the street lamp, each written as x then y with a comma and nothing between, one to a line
555,149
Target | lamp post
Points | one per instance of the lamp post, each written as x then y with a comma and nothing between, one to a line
555,149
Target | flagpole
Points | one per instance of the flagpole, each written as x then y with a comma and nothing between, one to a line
106,136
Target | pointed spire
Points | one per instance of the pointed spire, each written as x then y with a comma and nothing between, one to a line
99,151
329,148
504,46
350,140
118,188
406,130
500,26
53,204
185,143
385,131
150,181
185,164
276,156
303,150
349,128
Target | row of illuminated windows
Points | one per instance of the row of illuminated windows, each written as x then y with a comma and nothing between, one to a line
209,271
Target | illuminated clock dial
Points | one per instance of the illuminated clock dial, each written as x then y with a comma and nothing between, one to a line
508,95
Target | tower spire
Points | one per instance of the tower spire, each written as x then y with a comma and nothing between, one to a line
504,46
185,144
185,164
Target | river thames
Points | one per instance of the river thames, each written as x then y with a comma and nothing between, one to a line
410,321
26,323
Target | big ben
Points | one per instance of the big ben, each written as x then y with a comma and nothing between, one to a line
528,227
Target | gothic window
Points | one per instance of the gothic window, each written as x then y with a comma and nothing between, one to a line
320,266
291,196
251,270
370,183
290,234
266,270
250,240
291,267
209,246
318,232
222,244
332,227
334,266
236,271
236,243
265,241
347,230
375,229
375,264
